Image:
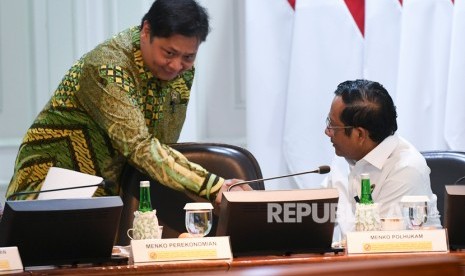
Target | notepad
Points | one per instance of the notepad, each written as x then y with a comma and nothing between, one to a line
58,178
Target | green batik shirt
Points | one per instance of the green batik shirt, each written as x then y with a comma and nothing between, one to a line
109,110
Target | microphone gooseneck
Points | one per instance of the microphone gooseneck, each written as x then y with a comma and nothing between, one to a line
321,170
459,180
101,184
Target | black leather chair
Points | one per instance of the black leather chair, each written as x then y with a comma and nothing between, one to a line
227,161
447,168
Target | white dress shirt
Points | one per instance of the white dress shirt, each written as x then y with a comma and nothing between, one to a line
396,169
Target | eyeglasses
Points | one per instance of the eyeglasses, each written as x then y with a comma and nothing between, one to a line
331,128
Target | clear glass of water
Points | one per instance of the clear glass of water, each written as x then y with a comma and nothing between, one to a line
415,210
199,218
418,214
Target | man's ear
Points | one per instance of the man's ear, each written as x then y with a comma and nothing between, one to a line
362,134
146,29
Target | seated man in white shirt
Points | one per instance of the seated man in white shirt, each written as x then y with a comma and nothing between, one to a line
361,125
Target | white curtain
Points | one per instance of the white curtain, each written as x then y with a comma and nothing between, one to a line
267,49
423,69
413,47
382,42
327,47
454,125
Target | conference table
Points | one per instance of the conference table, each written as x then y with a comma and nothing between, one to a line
450,263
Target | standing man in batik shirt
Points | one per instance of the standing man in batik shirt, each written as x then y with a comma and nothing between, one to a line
122,102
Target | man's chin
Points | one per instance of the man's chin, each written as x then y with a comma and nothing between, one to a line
168,77
164,76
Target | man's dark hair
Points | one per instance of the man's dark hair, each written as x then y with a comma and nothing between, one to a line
183,17
368,105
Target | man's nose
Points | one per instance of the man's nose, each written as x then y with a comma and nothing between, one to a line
328,132
176,64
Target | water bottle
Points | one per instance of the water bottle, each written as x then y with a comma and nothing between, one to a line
366,189
145,205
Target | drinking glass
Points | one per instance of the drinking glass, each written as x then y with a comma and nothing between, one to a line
415,210
199,218
417,214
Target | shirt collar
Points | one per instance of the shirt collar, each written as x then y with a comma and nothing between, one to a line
378,156
144,73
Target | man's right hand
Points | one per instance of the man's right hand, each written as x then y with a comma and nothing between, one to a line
227,183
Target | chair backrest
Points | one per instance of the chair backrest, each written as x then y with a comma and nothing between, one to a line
447,167
225,160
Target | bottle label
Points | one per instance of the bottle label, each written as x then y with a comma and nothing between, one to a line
367,217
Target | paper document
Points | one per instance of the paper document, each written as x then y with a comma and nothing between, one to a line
58,178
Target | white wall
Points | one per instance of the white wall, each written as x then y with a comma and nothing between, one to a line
41,39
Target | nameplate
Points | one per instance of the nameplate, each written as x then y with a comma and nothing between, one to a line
10,260
162,250
434,240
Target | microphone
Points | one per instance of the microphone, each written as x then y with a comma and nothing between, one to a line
104,184
321,170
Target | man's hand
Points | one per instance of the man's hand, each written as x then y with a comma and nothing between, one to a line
225,187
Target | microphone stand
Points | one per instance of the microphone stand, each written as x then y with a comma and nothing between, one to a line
320,170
